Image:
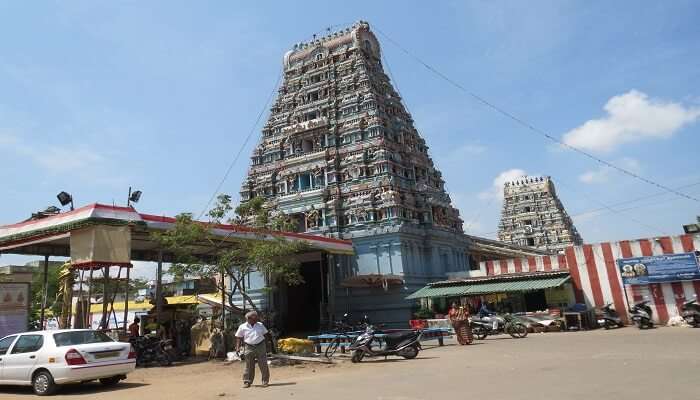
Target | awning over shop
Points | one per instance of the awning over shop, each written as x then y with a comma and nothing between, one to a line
493,284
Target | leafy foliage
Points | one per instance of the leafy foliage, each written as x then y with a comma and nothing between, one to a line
200,253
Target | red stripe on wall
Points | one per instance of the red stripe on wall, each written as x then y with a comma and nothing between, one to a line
489,268
518,265
562,261
615,284
573,269
666,245
504,266
679,295
532,263
645,246
656,293
626,249
696,285
593,277
547,263
687,242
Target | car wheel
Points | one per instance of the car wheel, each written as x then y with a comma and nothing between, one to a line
111,381
43,384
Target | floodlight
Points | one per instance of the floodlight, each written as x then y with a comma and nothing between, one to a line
135,196
64,198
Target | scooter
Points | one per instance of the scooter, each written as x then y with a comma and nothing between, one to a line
406,345
496,324
641,315
610,318
691,313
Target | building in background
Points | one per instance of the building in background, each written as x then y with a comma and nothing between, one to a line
340,155
533,216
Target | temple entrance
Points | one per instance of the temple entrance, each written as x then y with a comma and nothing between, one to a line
304,301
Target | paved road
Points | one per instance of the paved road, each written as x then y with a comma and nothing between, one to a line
624,364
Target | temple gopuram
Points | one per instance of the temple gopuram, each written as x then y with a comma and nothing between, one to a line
341,156
533,216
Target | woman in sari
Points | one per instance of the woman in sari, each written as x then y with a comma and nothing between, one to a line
459,318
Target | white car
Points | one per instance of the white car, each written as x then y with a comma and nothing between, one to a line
45,359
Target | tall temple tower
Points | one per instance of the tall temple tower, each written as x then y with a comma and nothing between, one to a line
534,216
340,154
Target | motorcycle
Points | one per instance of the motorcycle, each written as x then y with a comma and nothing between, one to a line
641,315
406,345
691,313
496,324
150,348
610,318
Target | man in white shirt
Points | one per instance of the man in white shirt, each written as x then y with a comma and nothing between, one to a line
251,336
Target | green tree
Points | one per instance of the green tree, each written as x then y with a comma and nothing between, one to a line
266,253
37,289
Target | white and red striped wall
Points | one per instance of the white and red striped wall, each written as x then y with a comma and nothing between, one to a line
596,278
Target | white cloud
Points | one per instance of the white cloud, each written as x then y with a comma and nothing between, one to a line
632,117
53,158
602,174
496,189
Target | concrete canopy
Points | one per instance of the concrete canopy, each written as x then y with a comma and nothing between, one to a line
51,235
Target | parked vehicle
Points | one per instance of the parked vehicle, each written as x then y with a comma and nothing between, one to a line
610,318
150,349
402,344
691,313
46,359
641,315
494,324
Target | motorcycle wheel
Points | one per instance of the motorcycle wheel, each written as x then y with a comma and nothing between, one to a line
479,333
164,360
357,356
409,353
518,331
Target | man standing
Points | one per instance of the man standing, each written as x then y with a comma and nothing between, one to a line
134,330
251,334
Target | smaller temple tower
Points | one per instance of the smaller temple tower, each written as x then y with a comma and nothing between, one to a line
533,216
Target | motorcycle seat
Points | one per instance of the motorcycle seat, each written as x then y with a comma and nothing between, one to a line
392,339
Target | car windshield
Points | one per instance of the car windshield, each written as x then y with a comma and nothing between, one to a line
80,337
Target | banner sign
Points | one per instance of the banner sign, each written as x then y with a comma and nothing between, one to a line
14,308
656,269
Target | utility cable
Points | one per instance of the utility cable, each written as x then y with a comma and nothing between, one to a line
243,146
531,127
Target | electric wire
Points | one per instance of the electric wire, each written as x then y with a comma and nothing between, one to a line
531,127
242,147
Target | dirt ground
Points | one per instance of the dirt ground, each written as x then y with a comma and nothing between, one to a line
620,364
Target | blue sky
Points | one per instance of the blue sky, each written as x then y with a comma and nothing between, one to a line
98,96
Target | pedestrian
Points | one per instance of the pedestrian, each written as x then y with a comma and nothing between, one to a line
134,329
459,318
251,336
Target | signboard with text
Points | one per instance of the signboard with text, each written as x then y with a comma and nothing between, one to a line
14,308
657,269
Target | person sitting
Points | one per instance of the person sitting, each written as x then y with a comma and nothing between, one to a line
484,310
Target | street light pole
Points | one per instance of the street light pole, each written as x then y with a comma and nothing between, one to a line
45,292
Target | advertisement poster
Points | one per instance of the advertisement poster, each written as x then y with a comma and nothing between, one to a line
14,308
657,269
